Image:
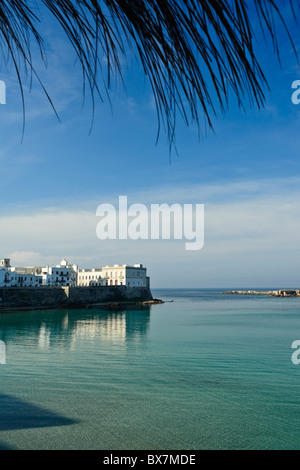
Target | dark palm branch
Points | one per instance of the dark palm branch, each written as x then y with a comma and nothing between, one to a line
195,53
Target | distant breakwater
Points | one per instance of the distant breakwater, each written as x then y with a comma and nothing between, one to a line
56,297
270,293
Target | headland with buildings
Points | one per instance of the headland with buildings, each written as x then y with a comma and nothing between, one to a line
66,284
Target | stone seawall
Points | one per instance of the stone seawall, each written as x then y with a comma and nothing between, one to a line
41,297
92,295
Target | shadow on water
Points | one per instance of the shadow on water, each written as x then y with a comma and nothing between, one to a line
4,446
16,414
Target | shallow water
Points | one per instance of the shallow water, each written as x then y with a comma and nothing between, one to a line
207,371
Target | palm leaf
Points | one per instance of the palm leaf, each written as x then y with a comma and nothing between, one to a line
196,54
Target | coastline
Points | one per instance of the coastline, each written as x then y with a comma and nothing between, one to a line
24,299
105,305
270,293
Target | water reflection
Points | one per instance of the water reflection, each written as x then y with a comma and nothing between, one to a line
64,328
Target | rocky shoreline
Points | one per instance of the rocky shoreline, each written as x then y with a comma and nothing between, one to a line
104,305
125,304
270,293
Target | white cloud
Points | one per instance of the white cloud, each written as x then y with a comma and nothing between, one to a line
249,240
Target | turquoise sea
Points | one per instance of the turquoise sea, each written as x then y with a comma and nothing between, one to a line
206,371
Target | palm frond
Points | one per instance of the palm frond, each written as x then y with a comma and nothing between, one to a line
195,53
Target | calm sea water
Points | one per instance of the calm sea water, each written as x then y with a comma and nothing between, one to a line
206,371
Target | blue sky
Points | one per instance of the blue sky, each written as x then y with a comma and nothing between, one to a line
247,174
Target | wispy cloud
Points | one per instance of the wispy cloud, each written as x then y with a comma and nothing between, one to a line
262,227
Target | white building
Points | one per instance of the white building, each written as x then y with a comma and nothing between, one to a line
4,276
66,275
129,276
5,263
11,277
61,275
34,276
17,279
89,277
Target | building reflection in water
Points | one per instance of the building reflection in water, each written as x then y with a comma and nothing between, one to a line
64,328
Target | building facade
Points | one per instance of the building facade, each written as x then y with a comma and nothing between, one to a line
66,275
38,276
11,277
17,279
63,275
89,277
129,276
4,276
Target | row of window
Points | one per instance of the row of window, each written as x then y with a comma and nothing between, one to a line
22,279
63,273
82,278
129,274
